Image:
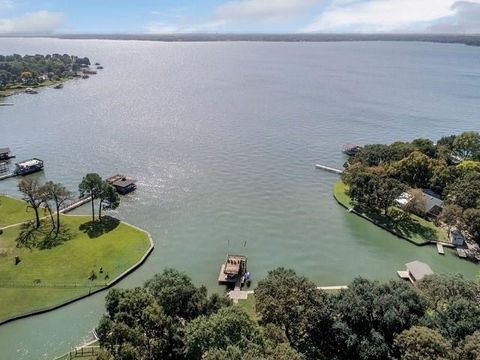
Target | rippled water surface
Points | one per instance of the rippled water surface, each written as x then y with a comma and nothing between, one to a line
223,138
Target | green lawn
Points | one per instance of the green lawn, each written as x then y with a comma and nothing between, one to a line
417,229
249,306
37,281
13,211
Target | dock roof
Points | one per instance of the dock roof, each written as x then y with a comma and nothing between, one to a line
418,269
4,150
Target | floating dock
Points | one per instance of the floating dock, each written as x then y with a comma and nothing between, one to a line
328,168
440,249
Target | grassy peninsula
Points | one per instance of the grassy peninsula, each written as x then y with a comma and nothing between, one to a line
86,260
18,72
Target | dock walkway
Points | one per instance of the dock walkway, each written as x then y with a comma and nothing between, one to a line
75,205
7,176
330,288
440,249
328,168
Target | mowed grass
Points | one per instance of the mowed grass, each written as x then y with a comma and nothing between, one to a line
68,264
13,211
417,229
249,306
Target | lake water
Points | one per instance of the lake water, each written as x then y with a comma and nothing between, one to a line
223,138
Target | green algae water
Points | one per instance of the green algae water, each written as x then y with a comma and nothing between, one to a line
223,138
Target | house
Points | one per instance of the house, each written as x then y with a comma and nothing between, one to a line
456,237
433,203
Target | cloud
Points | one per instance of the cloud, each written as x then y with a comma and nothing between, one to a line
381,15
465,20
167,28
263,10
30,23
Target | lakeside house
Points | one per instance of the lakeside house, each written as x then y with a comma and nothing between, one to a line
416,271
433,203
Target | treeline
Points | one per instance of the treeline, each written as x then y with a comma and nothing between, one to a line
33,69
170,318
378,174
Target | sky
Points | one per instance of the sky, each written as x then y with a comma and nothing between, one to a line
239,16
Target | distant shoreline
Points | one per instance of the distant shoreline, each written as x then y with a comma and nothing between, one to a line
472,39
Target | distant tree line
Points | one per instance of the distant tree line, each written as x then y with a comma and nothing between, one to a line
170,318
378,174
33,69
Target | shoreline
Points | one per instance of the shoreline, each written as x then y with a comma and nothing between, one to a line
20,89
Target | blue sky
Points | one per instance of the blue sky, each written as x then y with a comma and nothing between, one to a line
238,16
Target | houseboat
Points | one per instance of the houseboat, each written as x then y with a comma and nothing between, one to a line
28,166
233,271
5,154
122,184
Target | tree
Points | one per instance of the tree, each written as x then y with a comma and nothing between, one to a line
92,185
458,318
471,218
292,303
108,194
59,195
465,191
467,145
177,295
425,146
415,170
417,203
469,348
422,343
136,327
451,215
228,327
387,192
469,166
443,176
32,195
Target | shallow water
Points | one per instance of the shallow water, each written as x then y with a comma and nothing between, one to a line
223,138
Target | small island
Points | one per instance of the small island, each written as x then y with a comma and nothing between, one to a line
421,191
48,259
25,73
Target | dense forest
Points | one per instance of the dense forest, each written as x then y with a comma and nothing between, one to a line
450,169
32,70
170,318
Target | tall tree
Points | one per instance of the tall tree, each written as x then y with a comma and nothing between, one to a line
467,145
59,195
108,195
422,343
415,170
471,219
451,215
465,191
32,195
92,185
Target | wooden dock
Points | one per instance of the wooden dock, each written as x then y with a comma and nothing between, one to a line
328,168
7,176
440,249
76,204
461,253
6,104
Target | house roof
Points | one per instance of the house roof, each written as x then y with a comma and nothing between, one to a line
418,269
432,200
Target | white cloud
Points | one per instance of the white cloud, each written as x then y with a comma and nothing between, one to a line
34,22
166,28
247,10
382,15
465,20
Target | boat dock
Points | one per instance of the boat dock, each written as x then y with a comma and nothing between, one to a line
461,253
440,249
328,168
7,176
76,204
6,104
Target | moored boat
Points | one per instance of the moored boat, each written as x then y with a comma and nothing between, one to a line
28,166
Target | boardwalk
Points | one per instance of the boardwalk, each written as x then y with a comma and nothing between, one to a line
440,249
75,205
330,288
328,168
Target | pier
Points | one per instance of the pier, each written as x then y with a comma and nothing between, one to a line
440,249
76,204
332,288
328,168
7,176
